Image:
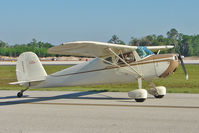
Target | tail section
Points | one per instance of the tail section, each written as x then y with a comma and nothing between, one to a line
29,69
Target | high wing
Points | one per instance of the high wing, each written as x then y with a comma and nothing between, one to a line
89,48
94,49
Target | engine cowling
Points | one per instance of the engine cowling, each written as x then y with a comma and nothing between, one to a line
139,95
158,92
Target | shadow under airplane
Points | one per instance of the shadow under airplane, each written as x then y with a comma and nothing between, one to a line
75,95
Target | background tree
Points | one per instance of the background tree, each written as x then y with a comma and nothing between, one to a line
116,40
3,44
195,45
134,42
173,35
40,48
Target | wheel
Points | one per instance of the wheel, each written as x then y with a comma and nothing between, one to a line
159,96
140,100
19,94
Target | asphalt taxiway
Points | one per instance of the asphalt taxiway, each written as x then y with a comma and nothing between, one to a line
90,112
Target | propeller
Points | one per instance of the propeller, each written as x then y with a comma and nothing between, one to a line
182,63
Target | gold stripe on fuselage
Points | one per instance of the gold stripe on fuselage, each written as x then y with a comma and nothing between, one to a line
148,60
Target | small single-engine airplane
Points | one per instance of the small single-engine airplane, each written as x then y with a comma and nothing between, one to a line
113,63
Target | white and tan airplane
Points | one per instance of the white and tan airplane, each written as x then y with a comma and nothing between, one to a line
113,63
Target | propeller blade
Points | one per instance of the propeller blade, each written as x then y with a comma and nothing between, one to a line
183,66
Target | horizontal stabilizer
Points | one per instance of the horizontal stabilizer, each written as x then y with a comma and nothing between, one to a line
23,82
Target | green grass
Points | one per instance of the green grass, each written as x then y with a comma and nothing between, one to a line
175,83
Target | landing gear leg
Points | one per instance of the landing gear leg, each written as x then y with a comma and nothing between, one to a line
139,88
140,83
20,94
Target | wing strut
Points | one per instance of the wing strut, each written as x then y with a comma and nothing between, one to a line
139,75
114,64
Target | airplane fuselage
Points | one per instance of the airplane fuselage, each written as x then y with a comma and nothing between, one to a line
97,71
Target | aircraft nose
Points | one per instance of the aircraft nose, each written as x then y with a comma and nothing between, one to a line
172,67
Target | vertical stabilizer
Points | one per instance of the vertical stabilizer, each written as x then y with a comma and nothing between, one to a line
29,68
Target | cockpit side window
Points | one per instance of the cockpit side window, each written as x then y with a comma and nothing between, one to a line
127,57
143,51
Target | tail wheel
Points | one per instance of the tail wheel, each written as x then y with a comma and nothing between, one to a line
19,94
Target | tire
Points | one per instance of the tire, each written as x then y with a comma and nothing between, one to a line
19,94
159,96
140,100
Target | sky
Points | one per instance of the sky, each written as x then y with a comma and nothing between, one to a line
59,21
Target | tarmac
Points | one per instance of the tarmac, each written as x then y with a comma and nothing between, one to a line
97,112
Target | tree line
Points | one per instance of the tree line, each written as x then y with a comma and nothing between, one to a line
38,47
187,45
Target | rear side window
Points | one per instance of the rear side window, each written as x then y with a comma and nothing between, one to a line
109,59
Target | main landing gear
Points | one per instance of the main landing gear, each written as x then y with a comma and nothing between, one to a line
140,95
157,92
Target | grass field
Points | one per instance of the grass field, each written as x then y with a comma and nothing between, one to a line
175,83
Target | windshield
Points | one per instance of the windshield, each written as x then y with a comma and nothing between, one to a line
143,51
